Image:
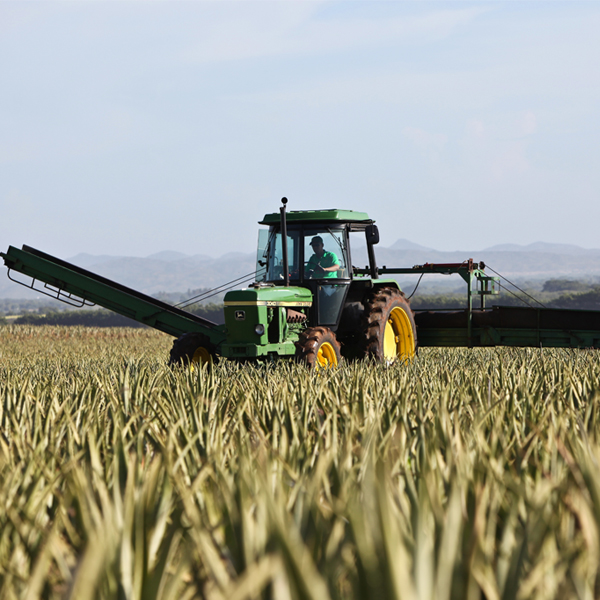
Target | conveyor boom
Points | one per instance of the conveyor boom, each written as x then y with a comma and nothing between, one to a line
67,282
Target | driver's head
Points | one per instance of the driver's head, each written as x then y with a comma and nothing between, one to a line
317,244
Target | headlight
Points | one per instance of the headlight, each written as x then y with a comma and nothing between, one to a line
259,329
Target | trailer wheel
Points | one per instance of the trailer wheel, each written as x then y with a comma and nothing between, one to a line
318,348
389,326
192,348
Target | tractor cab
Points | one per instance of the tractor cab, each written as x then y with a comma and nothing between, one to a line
318,257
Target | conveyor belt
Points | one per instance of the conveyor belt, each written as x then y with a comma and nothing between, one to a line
65,279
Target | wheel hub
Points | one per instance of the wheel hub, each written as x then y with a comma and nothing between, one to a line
398,339
326,357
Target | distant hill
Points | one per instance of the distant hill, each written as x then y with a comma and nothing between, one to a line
170,271
536,262
89,260
570,249
162,272
168,255
403,244
513,264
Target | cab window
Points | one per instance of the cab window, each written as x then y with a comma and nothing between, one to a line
270,256
325,255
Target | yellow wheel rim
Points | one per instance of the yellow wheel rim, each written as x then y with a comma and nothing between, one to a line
398,337
202,356
326,357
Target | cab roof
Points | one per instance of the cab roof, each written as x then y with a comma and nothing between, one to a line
309,216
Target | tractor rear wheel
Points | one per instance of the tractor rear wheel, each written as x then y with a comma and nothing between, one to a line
192,348
318,348
389,326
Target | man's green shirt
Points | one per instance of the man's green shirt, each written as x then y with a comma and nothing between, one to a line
327,260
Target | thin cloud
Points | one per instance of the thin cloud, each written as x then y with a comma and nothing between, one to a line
296,29
429,143
529,123
513,161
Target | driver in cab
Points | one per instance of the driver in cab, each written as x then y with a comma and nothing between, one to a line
321,264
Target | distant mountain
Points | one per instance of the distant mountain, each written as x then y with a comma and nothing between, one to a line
403,244
85,261
570,249
168,255
89,260
519,265
154,274
236,256
176,272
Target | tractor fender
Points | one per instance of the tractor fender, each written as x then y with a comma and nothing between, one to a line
385,283
360,288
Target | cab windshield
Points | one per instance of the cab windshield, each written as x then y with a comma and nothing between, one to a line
325,255
312,254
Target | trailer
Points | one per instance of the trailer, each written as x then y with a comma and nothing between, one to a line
309,302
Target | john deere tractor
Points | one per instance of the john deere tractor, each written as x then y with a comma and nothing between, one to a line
308,301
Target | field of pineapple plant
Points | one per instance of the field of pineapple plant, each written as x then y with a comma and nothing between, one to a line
466,474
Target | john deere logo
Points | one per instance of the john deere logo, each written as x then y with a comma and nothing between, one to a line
240,315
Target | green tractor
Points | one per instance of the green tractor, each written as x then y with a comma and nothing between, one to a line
308,301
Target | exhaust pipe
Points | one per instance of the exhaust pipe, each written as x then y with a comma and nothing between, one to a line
284,247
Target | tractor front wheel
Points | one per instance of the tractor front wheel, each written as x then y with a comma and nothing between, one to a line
318,348
192,348
389,326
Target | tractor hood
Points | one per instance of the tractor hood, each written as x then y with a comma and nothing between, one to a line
269,296
264,321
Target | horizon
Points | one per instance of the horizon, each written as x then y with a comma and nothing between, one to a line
518,247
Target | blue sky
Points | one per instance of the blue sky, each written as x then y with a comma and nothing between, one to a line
129,128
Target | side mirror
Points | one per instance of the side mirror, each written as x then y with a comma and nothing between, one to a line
372,234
